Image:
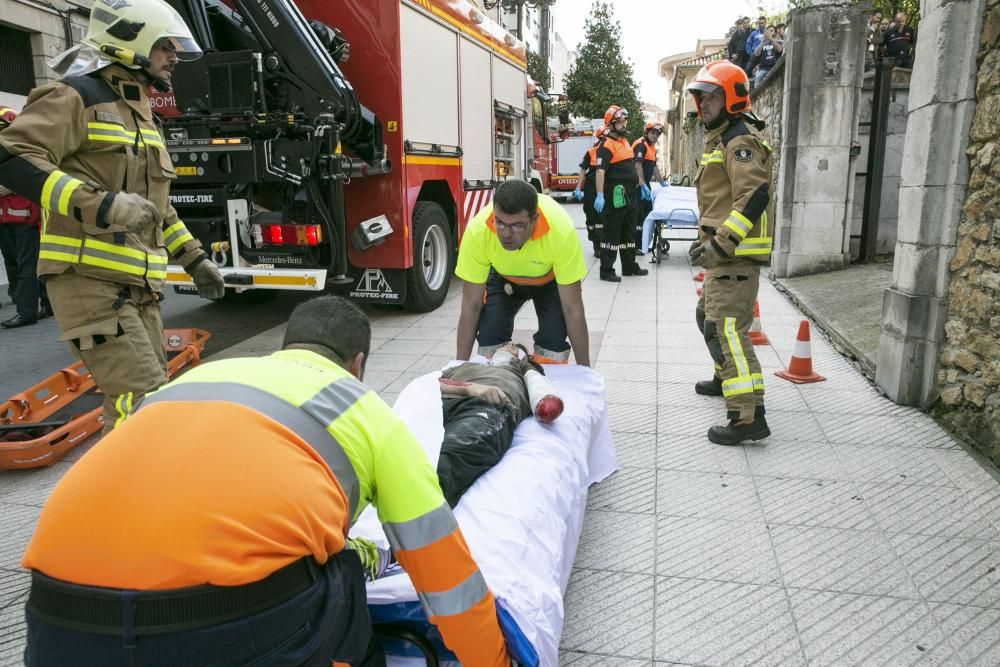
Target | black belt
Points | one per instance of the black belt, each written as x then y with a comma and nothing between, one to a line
112,611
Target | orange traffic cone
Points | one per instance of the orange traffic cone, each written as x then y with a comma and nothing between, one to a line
757,335
700,277
800,368
697,290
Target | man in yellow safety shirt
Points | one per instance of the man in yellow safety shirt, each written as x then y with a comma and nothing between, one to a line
734,241
210,527
522,247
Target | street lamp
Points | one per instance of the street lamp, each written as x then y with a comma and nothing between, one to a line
517,7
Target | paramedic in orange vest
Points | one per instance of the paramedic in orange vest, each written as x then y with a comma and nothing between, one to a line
584,192
522,247
615,185
211,527
648,171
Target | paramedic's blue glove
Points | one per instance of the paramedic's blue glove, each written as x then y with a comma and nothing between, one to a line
578,194
645,193
599,202
665,183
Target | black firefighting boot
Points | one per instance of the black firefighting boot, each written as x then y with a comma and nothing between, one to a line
711,387
734,433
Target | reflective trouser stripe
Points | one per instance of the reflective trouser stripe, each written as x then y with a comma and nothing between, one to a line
124,407
739,224
457,600
421,531
758,381
743,382
175,236
295,419
57,190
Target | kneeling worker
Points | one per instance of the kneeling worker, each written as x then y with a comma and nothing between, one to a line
210,526
522,247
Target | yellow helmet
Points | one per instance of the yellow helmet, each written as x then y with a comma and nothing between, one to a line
126,31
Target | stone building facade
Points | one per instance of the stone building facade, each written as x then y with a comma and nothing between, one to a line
969,372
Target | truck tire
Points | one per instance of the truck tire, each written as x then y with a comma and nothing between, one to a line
433,258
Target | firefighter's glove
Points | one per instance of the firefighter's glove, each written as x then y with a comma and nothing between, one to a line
132,213
645,193
578,194
599,202
704,255
207,279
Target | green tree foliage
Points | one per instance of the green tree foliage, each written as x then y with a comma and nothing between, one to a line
601,76
538,69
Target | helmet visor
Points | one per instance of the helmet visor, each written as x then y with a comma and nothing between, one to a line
184,48
703,87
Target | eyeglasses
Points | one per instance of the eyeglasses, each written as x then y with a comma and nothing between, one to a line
514,227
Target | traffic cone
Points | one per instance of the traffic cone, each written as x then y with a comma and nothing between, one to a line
700,278
757,335
800,368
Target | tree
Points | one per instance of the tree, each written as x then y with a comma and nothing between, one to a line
601,76
538,69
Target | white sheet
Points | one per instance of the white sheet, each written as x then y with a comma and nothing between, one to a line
522,519
679,206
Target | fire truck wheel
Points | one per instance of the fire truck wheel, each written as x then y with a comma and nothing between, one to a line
433,258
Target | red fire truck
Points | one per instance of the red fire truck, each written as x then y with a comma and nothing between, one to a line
569,154
335,143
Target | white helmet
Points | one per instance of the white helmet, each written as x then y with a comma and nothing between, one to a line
126,31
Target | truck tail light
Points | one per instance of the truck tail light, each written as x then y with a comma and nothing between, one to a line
303,235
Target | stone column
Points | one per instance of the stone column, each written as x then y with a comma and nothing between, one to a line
932,188
824,58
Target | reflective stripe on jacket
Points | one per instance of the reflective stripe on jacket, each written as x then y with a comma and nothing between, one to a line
78,142
734,194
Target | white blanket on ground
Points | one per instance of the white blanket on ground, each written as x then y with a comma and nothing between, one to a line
522,519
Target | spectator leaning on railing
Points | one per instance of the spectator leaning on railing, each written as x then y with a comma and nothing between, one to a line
766,54
874,39
737,47
900,40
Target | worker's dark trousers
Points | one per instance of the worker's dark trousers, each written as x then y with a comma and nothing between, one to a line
593,218
21,243
618,236
504,299
327,622
476,436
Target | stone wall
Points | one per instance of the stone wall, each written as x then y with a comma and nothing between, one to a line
889,211
691,143
969,374
768,102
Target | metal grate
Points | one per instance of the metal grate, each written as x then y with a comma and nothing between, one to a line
231,86
16,70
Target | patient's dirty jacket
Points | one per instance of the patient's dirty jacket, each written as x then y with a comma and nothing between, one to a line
243,466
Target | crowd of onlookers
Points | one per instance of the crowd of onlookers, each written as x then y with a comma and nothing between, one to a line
757,48
890,39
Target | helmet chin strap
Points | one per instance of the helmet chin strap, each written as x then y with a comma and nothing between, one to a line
156,82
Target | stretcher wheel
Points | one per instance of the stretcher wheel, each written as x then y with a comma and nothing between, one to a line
664,246
399,632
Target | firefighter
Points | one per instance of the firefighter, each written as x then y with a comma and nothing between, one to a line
647,171
615,184
87,150
244,562
585,192
734,241
522,247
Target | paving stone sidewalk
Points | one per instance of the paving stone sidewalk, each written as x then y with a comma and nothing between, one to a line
859,533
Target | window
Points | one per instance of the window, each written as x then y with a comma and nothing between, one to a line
16,69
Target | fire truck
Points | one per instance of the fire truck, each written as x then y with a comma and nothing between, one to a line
345,145
569,154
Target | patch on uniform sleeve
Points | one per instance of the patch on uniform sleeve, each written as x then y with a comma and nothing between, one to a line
108,117
743,154
600,161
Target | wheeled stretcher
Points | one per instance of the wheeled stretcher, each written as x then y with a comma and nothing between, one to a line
522,519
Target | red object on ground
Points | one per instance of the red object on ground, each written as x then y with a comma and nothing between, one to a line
549,409
800,368
700,277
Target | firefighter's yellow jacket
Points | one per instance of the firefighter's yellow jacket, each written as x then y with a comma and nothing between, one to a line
77,142
734,194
